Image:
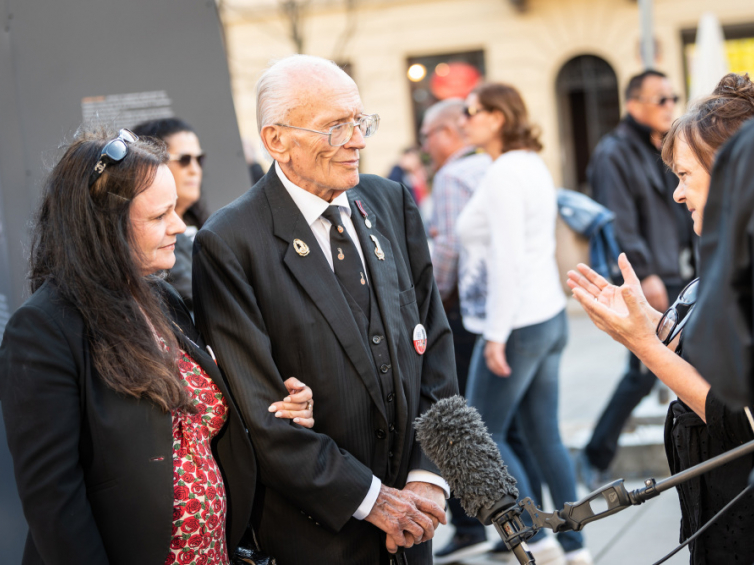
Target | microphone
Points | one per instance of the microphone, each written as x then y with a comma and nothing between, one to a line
455,439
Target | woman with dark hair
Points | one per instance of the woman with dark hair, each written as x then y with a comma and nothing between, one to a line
127,445
511,297
186,160
699,425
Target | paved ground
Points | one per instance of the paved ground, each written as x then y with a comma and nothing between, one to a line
639,535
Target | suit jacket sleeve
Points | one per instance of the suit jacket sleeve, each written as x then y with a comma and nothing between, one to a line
307,468
612,183
438,378
40,393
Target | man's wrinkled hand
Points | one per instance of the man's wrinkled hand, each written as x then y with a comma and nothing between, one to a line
405,517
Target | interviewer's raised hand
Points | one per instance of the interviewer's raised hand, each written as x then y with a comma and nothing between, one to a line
622,312
609,294
405,517
298,406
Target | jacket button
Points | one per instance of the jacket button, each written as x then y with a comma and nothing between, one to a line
376,339
380,433
391,427
384,368
390,397
390,454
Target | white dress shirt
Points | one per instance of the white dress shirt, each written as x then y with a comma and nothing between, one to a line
312,207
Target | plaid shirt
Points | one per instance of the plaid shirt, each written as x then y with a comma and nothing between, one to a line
452,187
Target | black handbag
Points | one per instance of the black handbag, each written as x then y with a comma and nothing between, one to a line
249,552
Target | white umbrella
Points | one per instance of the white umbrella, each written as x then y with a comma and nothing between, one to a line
710,63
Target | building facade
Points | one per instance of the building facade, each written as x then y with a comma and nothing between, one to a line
571,59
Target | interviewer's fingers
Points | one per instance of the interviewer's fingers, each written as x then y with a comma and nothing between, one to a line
576,279
629,275
593,276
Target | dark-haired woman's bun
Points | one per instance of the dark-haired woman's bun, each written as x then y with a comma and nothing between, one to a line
735,85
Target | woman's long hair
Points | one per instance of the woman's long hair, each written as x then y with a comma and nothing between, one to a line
83,244
517,131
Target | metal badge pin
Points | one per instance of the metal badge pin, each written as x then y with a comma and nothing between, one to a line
301,247
340,229
340,254
377,249
360,206
363,280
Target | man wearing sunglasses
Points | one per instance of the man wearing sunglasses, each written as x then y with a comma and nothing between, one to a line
323,273
628,176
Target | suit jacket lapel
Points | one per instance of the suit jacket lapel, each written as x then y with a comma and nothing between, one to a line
313,273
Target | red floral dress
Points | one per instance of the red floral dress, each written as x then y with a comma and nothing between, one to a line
200,504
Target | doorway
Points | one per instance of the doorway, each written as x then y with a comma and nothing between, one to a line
588,108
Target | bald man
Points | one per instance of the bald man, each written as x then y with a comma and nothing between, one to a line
325,274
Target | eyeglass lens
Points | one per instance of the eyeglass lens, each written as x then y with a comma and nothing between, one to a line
667,324
185,160
341,134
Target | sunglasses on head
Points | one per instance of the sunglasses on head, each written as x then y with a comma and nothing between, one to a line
470,111
185,160
113,152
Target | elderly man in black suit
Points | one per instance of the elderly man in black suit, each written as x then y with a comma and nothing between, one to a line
323,273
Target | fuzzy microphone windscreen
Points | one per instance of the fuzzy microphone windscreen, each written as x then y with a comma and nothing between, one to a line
455,439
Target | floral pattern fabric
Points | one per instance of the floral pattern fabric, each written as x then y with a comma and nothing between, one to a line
200,504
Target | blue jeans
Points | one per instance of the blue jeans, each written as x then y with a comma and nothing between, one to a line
533,353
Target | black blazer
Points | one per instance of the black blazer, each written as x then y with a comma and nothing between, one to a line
94,468
272,313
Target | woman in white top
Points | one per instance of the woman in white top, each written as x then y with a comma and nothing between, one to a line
511,296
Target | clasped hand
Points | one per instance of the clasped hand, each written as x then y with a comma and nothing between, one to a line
408,516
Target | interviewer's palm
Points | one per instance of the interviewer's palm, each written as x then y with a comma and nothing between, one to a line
609,294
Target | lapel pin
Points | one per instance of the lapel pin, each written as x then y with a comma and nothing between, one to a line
301,247
363,280
340,254
360,206
377,249
420,339
340,229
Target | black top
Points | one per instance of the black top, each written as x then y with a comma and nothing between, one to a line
689,441
628,176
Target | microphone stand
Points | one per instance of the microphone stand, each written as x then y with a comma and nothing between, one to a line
506,514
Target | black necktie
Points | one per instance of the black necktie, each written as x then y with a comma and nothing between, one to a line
346,260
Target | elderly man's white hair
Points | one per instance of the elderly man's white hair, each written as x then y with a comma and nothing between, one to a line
444,112
275,93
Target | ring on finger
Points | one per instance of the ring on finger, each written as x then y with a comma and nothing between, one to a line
308,404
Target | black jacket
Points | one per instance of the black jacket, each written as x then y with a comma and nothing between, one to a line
688,441
272,313
94,468
628,176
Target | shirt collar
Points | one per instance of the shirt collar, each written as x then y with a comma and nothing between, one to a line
311,205
467,151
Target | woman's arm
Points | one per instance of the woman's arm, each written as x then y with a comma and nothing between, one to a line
40,393
624,314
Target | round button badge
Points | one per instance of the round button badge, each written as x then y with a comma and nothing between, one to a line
420,339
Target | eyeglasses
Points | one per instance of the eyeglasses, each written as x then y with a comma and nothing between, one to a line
675,317
342,133
471,111
113,152
661,101
185,160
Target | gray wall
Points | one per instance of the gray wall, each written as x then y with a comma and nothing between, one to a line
54,53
